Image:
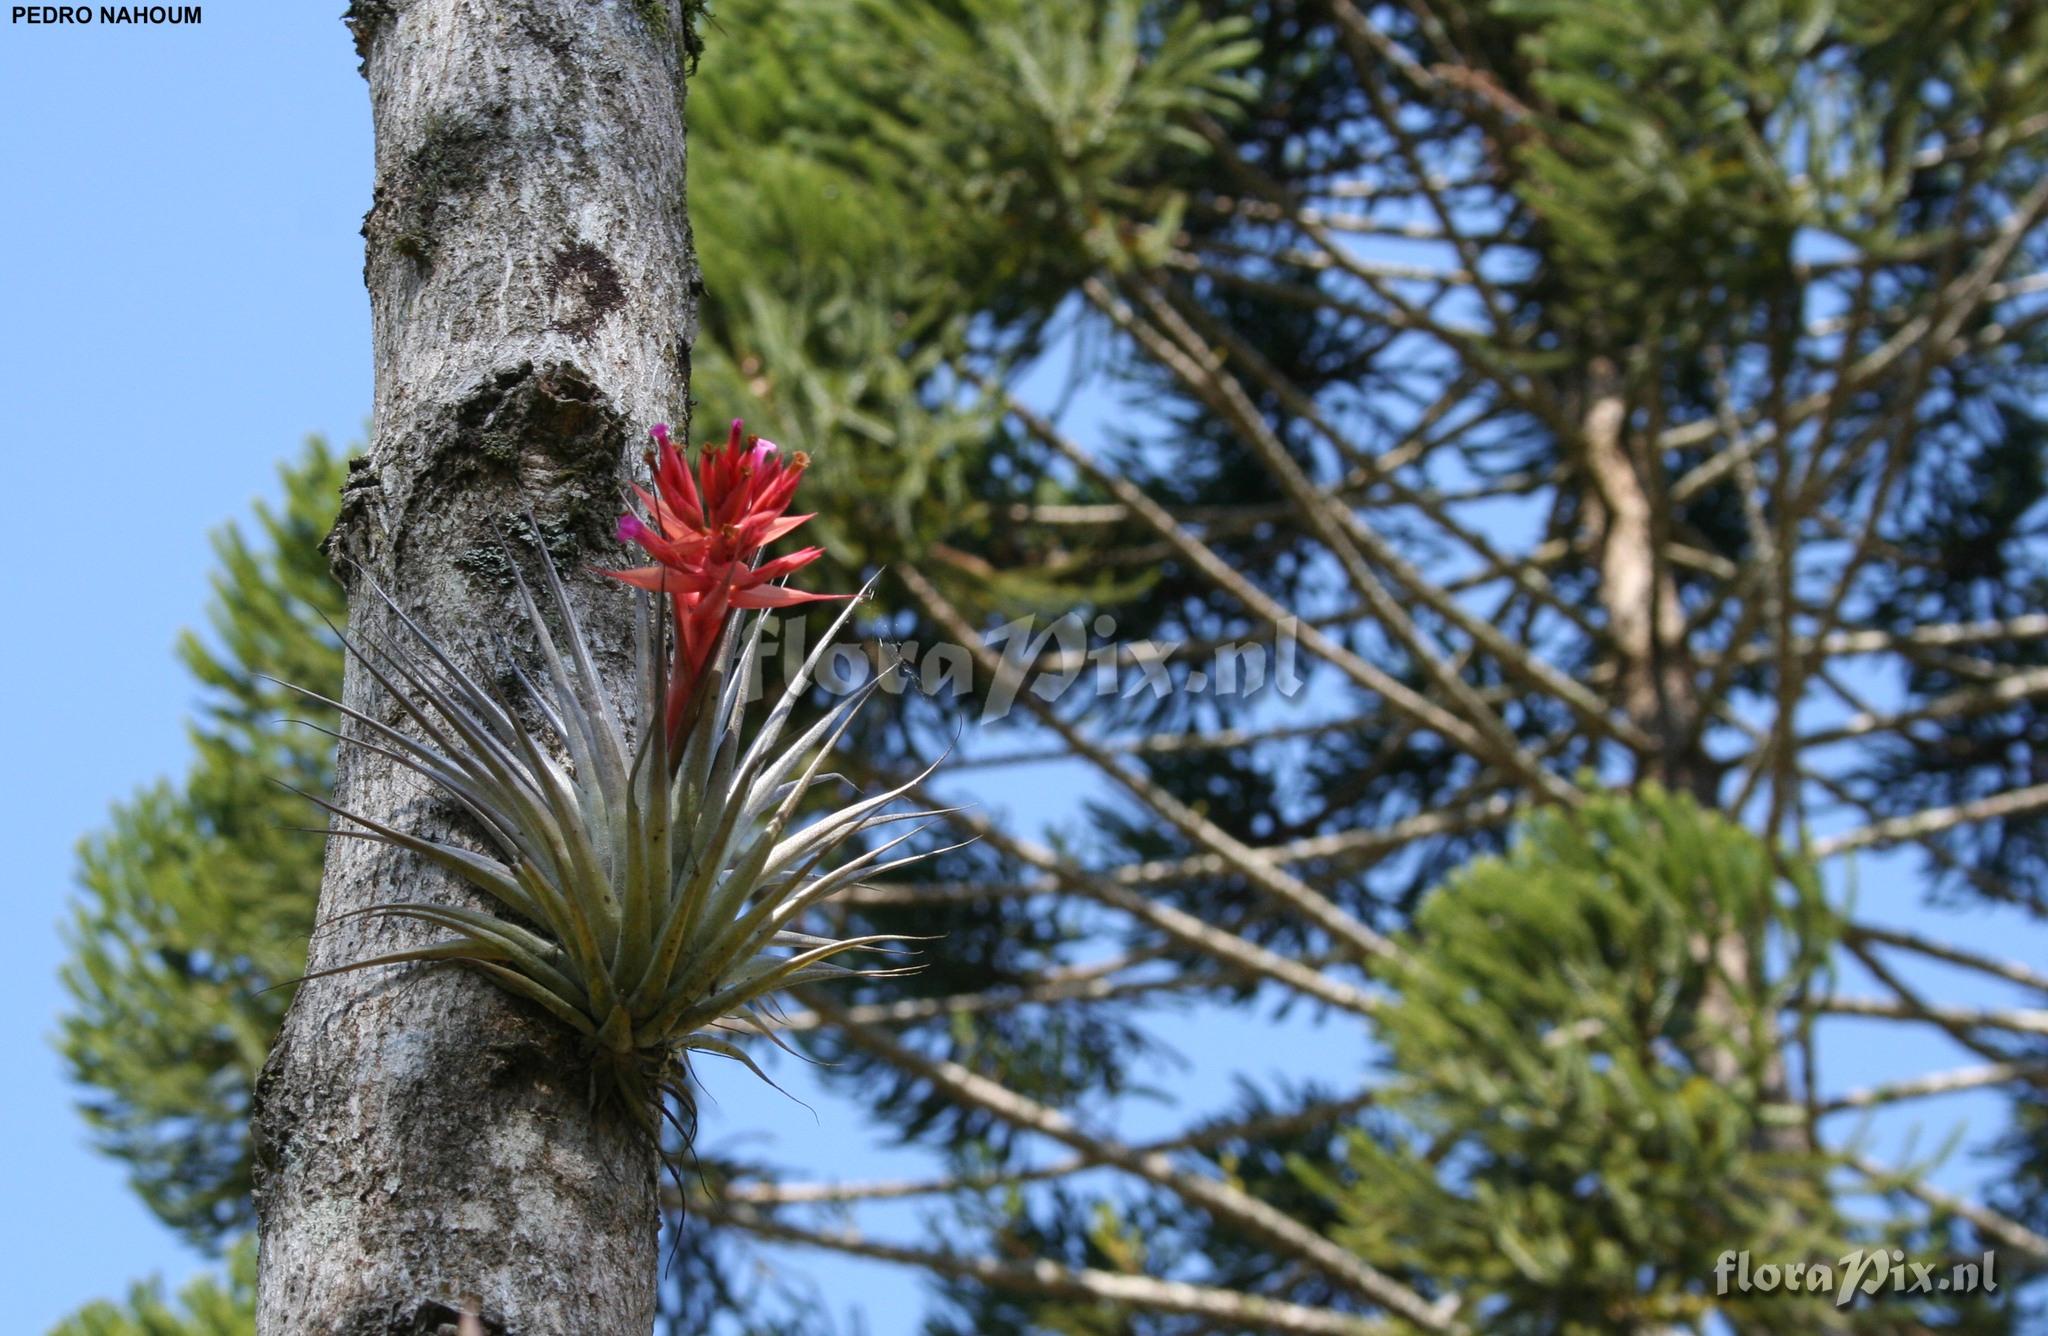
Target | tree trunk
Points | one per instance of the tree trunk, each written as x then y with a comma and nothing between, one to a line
425,1144
1637,592
1647,623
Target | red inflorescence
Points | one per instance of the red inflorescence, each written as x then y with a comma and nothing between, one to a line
708,531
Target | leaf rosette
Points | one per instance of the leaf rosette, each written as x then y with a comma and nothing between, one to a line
649,891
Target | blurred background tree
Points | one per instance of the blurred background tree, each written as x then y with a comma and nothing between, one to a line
196,896
205,1307
1632,413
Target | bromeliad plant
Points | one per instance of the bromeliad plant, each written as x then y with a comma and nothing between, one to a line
651,891
708,531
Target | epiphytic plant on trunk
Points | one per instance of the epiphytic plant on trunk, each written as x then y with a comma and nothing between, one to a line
653,888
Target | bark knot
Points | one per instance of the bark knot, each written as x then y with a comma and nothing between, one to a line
456,154
583,288
350,542
434,1318
363,19
545,437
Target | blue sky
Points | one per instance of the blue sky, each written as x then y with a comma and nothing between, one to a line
183,303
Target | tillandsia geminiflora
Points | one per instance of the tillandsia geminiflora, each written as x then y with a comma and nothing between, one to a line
651,890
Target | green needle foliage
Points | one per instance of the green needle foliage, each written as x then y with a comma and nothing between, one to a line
662,892
204,1307
849,253
199,895
1580,1120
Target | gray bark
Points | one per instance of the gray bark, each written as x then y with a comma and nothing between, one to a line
424,1143
1637,591
1647,623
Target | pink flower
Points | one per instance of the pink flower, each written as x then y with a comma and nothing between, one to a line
707,533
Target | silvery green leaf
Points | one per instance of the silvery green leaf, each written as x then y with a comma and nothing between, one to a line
657,895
